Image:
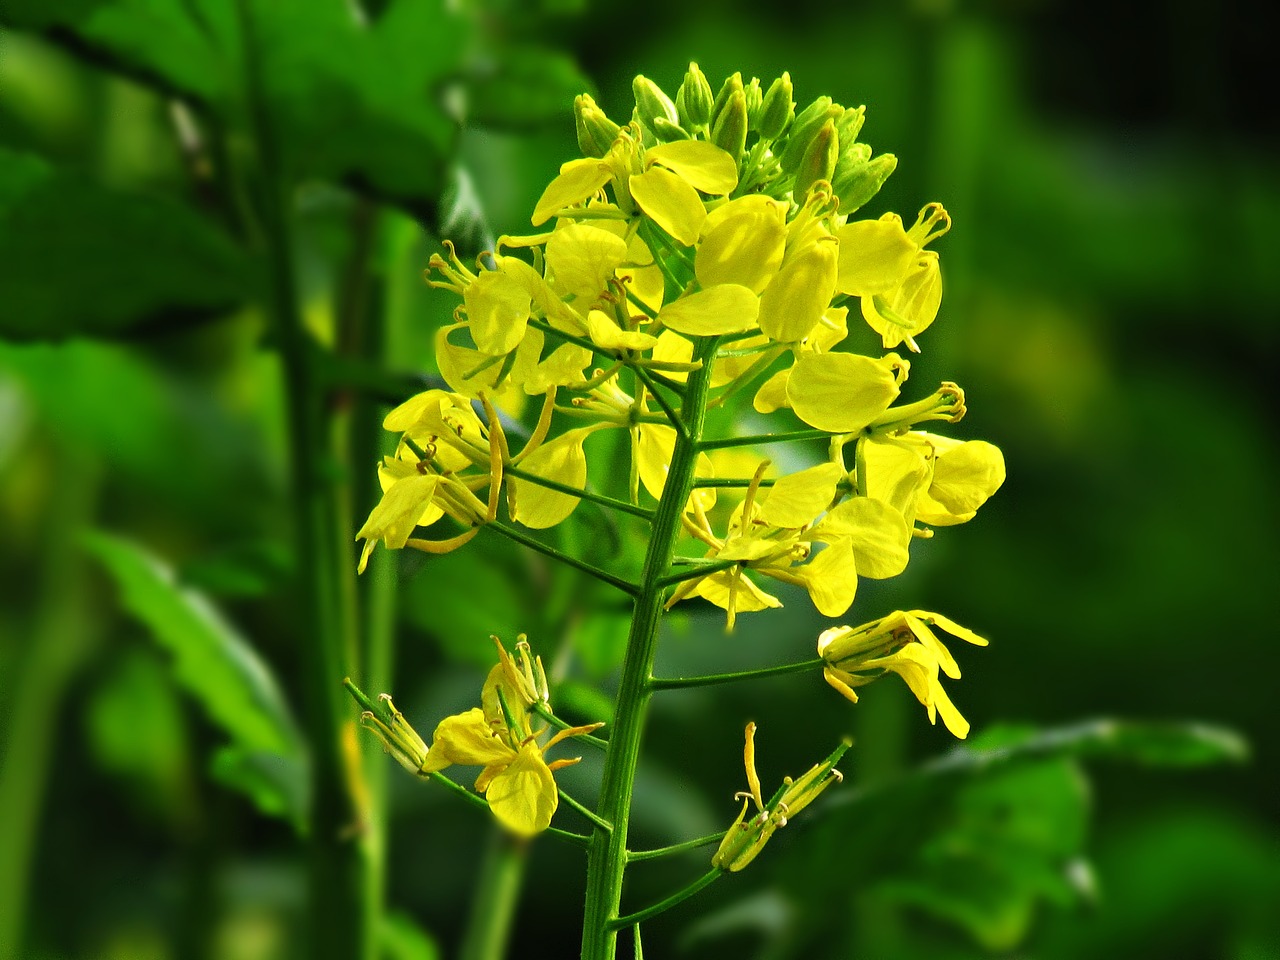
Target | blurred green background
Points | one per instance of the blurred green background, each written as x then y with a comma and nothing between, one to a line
1109,310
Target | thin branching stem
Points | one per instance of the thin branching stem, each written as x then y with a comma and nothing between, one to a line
712,679
715,873
511,533
654,854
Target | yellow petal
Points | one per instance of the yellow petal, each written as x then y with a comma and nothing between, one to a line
840,392
965,475
397,513
673,348
877,533
404,417
654,452
387,476
874,255
523,796
949,625
725,308
745,249
701,164
562,460
671,203
579,180
581,259
467,739
752,203
831,329
497,310
831,579
772,394
799,498
897,472
795,300
608,335
749,598
908,309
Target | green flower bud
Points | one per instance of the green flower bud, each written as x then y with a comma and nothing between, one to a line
596,132
778,109
694,99
862,181
849,123
729,132
852,156
819,161
805,128
651,102
730,86
755,98
666,131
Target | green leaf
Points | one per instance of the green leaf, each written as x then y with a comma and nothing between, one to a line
81,259
276,784
368,104
221,672
402,939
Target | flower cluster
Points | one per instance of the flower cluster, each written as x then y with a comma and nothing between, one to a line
499,736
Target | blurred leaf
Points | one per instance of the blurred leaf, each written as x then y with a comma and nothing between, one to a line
523,87
135,728
583,702
276,784
250,568
83,260
220,670
365,103
402,939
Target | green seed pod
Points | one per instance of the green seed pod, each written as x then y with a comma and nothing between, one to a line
596,132
727,90
730,130
694,99
651,102
805,128
666,131
778,109
819,161
863,181
755,97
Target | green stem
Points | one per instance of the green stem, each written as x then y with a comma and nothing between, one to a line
511,533
712,875
636,855
644,513
493,908
702,482
586,812
762,439
662,401
705,569
607,855
711,679
338,860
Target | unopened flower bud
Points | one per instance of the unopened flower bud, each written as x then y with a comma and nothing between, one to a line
694,99
819,161
778,109
667,132
755,98
859,182
651,103
730,130
849,123
805,128
596,132
732,85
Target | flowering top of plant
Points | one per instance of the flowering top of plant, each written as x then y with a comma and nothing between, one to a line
709,247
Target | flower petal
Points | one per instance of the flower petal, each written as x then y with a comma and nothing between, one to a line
724,308
579,180
874,255
745,249
796,298
877,533
831,578
562,460
670,202
700,164
799,498
523,797
467,739
581,259
605,333
840,392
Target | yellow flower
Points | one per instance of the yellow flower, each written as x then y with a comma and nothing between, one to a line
905,643
861,537
932,479
747,837
498,736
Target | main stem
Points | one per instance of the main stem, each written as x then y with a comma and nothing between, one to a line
607,855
